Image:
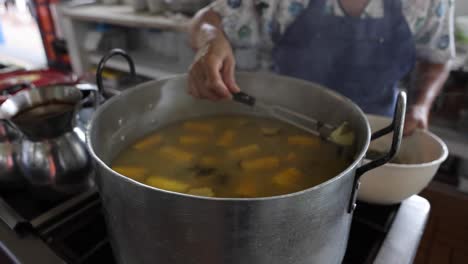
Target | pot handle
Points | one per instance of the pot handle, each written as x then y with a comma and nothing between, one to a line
102,65
396,127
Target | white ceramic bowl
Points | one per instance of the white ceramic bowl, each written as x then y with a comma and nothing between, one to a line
393,183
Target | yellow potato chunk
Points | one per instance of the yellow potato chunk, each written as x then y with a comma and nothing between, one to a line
343,135
288,178
205,191
240,121
266,163
192,140
133,172
148,142
292,156
304,141
226,139
244,152
167,184
199,127
270,131
176,154
246,188
208,161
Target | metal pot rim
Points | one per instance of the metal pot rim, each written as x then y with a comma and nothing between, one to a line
357,160
35,97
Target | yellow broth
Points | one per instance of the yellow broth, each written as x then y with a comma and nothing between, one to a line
231,156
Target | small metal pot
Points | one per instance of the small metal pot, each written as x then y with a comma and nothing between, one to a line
50,155
150,225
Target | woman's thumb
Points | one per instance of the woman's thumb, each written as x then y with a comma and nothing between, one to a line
228,72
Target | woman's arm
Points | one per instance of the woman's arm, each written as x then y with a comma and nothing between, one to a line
429,81
211,75
435,47
204,25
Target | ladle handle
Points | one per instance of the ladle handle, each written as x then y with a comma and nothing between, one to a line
396,127
244,98
102,65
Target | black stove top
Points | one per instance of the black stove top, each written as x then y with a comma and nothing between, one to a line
370,226
74,230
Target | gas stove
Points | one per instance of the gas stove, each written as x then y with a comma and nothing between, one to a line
74,231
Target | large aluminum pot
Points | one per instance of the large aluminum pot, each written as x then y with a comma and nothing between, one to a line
150,225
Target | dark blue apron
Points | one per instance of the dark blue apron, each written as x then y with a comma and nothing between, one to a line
361,58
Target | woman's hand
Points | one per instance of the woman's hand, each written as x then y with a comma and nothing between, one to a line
211,75
416,118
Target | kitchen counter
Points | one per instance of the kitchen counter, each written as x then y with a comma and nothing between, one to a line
406,232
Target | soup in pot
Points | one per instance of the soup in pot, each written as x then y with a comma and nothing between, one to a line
232,157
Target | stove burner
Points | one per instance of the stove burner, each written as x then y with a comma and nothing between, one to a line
369,228
81,237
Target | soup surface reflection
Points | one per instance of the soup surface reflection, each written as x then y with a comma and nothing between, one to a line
231,156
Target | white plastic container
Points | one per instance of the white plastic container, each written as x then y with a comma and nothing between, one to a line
247,58
186,6
164,43
170,44
138,5
153,40
185,53
156,6
110,2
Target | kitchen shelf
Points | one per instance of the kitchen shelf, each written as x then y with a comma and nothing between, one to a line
124,15
151,67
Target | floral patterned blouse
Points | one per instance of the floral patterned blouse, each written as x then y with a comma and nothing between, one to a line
248,23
